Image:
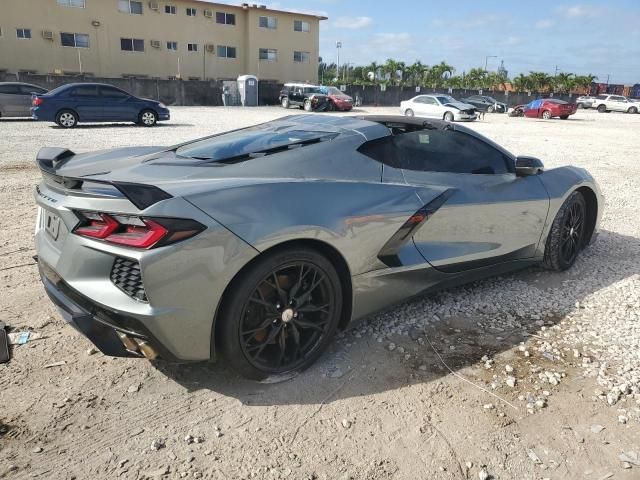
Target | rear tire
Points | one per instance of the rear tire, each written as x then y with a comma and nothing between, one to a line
580,105
566,236
67,118
448,117
602,108
290,335
148,118
307,105
546,115
564,117
409,113
491,109
284,103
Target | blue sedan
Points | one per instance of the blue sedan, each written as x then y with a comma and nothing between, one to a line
95,102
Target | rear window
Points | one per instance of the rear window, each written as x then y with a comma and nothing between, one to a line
555,100
602,97
251,142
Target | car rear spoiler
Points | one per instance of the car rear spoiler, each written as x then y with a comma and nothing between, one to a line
49,159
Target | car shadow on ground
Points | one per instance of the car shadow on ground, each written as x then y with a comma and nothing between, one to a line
362,366
95,126
16,120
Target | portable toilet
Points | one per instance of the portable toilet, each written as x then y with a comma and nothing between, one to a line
248,88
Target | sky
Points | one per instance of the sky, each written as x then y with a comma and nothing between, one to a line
602,38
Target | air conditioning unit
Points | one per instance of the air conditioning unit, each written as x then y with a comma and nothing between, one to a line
208,13
155,43
47,34
154,5
210,48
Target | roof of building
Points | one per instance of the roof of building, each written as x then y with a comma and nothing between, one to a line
261,7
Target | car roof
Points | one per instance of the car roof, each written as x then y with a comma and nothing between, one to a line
21,83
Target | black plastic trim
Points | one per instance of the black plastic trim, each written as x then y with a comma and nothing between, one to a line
389,254
523,253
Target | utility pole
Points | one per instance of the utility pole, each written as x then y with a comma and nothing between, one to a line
338,47
556,72
607,79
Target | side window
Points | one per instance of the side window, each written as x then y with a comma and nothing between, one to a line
85,91
9,89
437,151
430,101
28,90
112,93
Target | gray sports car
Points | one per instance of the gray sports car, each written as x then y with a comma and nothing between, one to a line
259,243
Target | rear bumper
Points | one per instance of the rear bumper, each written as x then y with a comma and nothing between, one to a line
101,325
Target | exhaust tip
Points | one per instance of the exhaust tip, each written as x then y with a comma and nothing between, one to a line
147,350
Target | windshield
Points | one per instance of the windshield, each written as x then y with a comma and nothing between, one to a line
491,99
256,141
333,91
445,99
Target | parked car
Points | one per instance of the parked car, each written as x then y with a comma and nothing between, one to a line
438,106
73,103
486,104
516,111
302,95
585,101
301,228
15,98
615,103
338,100
548,108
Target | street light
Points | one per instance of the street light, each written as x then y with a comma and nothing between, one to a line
486,60
338,47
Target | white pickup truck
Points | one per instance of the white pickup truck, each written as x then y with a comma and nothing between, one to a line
615,103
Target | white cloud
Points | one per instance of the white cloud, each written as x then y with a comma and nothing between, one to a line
542,24
353,23
478,21
512,41
581,11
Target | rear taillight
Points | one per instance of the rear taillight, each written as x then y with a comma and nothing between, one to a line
36,102
134,231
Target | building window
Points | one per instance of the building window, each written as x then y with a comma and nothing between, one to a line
192,47
301,26
23,33
132,45
301,57
170,9
130,6
191,12
172,46
77,40
226,52
71,3
268,22
226,18
268,55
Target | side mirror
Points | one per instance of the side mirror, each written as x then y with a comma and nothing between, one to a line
526,166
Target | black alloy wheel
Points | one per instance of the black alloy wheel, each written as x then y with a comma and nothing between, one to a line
567,234
283,315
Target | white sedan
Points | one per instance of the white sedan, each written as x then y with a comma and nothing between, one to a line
438,106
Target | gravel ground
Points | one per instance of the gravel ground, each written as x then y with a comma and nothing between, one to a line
553,357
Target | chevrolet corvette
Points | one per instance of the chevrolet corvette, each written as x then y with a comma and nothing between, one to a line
257,244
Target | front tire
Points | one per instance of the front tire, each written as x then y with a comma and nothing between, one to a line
567,233
409,113
602,108
546,115
281,314
491,109
67,118
148,118
307,106
284,103
564,117
632,110
448,117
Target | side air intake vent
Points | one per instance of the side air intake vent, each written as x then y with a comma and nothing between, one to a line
126,275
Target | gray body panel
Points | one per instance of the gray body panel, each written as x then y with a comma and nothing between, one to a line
327,193
17,104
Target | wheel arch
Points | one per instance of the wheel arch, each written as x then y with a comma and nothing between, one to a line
324,248
64,109
591,199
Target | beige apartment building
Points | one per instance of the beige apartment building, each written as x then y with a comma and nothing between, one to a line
188,39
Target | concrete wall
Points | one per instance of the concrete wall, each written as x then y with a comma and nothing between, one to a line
106,25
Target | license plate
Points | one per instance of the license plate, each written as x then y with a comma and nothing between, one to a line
52,224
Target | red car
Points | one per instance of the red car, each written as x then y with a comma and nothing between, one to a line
550,107
338,100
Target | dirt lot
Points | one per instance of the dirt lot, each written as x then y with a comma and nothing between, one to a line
528,376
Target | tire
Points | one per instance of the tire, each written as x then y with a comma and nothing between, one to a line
546,115
580,106
448,117
67,118
148,118
491,109
602,108
331,107
284,102
568,226
564,117
409,113
307,106
632,110
271,322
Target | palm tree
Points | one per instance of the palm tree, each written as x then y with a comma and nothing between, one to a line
415,73
522,83
540,81
564,82
436,75
584,82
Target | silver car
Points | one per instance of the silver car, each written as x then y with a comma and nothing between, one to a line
15,98
260,243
